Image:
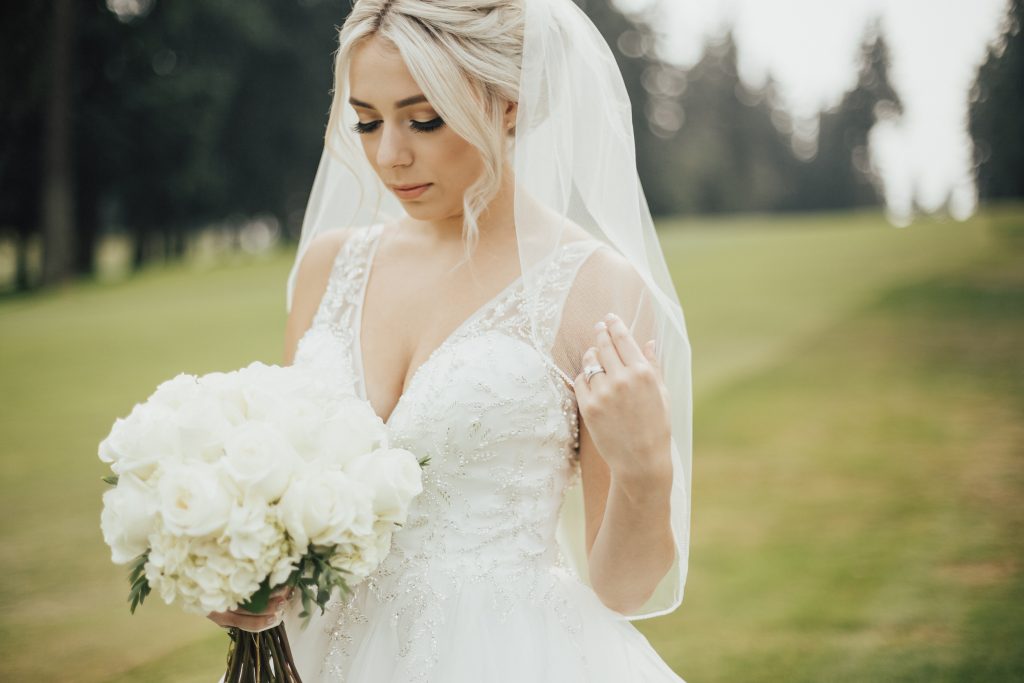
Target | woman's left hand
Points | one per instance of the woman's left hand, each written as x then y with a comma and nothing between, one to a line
626,407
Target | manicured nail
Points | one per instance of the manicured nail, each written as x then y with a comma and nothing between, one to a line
600,326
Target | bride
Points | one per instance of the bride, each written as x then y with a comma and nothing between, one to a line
478,255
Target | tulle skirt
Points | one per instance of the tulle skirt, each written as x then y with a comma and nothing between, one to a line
480,632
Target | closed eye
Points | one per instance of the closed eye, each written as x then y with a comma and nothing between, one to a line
417,126
427,126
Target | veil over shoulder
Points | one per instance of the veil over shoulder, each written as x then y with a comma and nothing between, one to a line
576,180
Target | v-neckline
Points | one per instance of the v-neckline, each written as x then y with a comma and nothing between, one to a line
455,332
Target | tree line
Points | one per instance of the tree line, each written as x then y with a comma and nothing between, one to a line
160,118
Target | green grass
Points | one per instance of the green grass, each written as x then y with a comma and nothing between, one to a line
857,464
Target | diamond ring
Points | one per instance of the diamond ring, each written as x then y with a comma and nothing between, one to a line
590,371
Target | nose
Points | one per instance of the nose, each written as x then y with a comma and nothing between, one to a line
393,149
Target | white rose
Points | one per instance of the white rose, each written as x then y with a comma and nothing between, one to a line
194,500
267,387
325,507
351,429
203,425
253,531
326,356
176,392
359,560
226,388
128,518
259,459
137,443
394,477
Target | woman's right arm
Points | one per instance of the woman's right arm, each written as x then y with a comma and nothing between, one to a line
310,284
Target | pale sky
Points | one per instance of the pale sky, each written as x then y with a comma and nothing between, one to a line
811,46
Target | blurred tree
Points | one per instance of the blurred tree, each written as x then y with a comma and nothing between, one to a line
23,87
632,42
997,110
58,181
164,117
203,111
719,149
841,174
171,116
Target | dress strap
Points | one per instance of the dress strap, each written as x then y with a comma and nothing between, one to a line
558,278
344,285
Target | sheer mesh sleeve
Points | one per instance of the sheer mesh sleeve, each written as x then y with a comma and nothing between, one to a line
606,282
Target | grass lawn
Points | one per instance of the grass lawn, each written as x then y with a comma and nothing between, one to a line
857,462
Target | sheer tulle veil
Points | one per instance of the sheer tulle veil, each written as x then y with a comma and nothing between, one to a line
575,167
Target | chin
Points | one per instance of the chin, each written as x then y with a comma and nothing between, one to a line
418,211
428,212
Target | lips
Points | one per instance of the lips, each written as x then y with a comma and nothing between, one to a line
410,191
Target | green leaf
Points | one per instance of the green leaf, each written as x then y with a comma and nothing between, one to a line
110,479
139,583
259,600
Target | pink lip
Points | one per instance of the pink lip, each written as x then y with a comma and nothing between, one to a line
410,191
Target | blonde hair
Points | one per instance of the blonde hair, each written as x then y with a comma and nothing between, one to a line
466,55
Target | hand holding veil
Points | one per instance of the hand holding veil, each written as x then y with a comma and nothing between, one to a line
575,168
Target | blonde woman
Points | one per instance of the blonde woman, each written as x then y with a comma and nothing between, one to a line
478,253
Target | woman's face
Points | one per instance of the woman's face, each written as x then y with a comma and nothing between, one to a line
403,137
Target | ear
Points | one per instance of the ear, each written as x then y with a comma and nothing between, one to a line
511,109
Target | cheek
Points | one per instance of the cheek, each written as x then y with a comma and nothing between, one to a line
459,160
369,149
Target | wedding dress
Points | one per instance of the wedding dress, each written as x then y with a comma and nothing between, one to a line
474,588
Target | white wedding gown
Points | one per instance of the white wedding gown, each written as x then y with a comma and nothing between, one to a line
475,589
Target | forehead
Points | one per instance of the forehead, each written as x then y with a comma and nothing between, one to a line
378,75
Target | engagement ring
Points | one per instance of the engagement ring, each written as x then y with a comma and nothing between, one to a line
590,371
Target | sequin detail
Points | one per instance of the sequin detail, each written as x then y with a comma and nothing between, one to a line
502,440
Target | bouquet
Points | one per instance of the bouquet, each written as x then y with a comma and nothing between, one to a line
229,486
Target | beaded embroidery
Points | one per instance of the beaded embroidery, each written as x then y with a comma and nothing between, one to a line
501,440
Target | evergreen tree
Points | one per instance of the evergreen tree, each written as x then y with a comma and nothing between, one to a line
841,174
997,113
727,154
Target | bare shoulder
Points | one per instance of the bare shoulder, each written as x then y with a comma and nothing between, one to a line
604,262
605,273
311,279
605,281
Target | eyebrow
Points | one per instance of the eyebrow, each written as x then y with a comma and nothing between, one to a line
415,99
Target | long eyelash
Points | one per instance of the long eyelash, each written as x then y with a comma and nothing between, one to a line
363,128
417,126
427,126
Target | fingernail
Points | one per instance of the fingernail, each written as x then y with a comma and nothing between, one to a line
600,326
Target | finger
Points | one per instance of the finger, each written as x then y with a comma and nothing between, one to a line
581,384
268,623
607,356
625,344
590,358
273,605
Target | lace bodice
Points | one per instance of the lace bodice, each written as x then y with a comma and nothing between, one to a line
497,417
